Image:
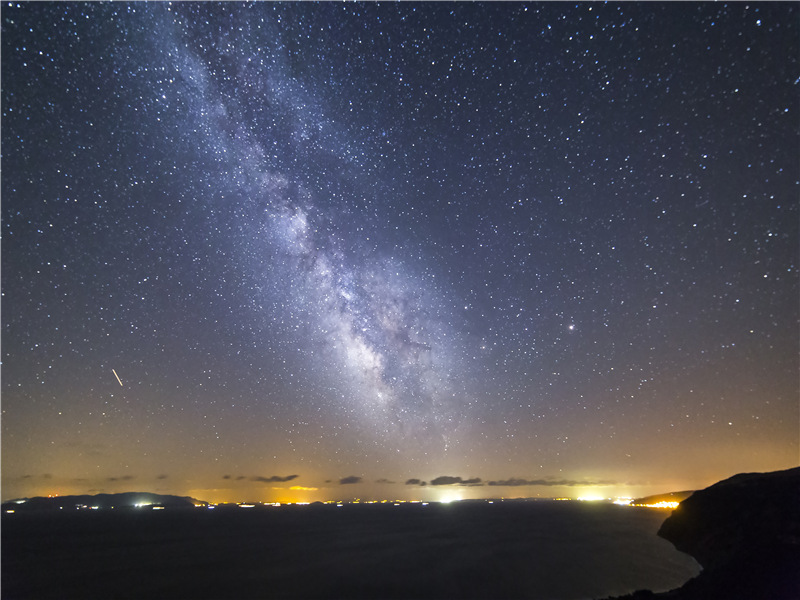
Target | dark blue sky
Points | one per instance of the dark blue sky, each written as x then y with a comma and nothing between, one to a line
549,242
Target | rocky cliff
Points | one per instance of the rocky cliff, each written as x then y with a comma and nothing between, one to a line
745,532
751,512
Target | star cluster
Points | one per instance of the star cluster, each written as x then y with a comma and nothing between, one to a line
536,243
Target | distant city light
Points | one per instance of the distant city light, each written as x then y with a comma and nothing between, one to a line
590,498
663,504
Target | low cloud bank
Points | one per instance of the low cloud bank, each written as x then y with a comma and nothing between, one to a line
274,478
450,480
350,480
514,481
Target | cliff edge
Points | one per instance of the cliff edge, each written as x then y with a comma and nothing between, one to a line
750,512
745,532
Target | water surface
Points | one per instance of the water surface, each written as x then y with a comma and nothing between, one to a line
535,550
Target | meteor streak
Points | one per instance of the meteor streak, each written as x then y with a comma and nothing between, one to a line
117,376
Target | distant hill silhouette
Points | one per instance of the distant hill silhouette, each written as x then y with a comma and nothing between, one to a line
100,501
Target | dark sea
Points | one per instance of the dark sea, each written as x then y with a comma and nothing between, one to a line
512,549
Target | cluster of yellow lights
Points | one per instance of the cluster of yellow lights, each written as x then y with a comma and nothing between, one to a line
663,504
331,502
625,502
444,500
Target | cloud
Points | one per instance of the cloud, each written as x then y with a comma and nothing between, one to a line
303,488
162,477
122,478
383,480
274,478
415,482
226,476
350,479
515,481
240,477
449,480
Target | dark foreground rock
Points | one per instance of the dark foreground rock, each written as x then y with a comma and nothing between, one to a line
745,532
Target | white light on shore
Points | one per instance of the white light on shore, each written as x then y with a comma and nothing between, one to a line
591,498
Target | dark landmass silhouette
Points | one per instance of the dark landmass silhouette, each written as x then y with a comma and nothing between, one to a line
100,501
745,533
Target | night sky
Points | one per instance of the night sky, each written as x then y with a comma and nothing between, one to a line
318,251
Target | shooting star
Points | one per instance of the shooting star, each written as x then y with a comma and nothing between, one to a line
117,376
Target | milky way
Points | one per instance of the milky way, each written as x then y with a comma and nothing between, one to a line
469,242
374,332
